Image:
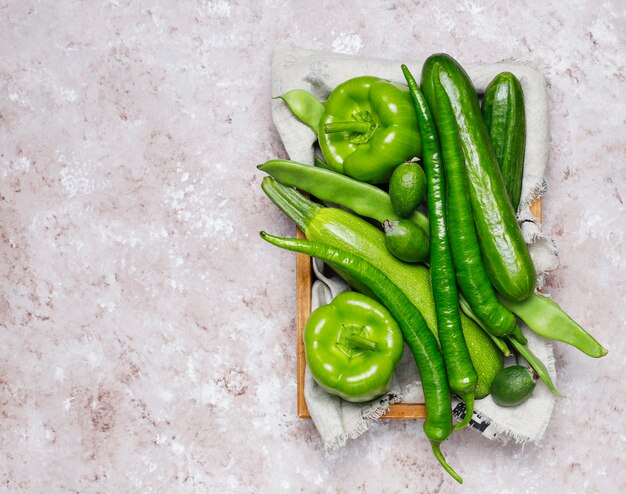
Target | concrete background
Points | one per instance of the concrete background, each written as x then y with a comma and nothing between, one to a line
147,333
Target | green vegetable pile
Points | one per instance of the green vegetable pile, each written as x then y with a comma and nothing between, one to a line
451,282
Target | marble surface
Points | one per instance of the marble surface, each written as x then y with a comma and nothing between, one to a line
147,333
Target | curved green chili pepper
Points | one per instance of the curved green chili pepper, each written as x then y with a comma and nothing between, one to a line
544,317
438,423
365,128
462,376
327,185
466,255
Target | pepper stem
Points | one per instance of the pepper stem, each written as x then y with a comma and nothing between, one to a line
352,126
469,411
444,463
362,343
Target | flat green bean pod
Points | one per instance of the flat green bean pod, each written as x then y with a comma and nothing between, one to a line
546,318
327,185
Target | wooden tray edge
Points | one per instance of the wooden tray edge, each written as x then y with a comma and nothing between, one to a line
303,309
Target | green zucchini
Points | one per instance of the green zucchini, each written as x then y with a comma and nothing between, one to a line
505,118
340,229
505,254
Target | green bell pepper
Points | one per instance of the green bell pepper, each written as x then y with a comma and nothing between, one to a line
352,346
365,129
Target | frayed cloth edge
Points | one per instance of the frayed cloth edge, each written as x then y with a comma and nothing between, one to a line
363,423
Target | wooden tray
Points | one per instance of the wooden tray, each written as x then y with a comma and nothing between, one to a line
303,310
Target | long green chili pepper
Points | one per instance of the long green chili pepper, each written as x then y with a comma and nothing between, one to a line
462,375
438,423
544,317
327,185
470,271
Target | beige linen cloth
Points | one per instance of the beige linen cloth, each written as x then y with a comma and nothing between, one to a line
319,72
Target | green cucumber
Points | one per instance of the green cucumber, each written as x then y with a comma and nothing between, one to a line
505,254
505,118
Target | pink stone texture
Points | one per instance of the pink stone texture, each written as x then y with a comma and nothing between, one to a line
147,333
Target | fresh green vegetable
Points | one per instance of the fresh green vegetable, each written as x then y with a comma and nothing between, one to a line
499,342
306,107
319,162
513,385
348,232
486,360
544,317
518,335
537,365
462,375
519,343
352,346
438,423
365,128
407,188
466,254
327,185
405,240
504,251
505,119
